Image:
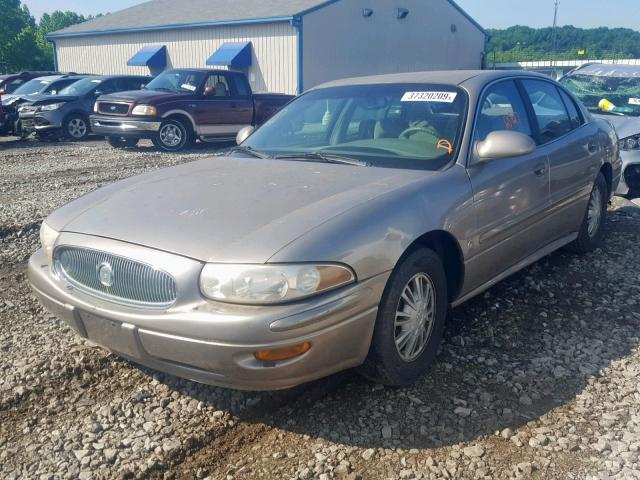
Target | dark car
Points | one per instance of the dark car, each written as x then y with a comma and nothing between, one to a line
612,92
31,91
12,81
182,105
67,113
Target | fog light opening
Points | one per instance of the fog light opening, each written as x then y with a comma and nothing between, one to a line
284,353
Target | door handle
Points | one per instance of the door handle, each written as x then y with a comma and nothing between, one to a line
233,105
540,170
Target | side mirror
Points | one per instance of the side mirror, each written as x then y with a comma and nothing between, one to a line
504,144
244,133
209,91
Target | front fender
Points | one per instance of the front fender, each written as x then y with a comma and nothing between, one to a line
372,237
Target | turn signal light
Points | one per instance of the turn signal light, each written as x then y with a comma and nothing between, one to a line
284,353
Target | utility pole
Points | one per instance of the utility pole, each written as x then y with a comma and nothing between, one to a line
553,31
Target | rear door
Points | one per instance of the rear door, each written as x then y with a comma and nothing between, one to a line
511,195
573,150
226,110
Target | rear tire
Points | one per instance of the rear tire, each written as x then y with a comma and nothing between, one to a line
121,142
173,136
410,322
593,226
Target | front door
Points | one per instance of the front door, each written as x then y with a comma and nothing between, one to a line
511,195
221,111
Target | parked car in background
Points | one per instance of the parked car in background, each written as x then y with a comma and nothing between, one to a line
337,234
29,92
612,92
67,113
181,105
11,81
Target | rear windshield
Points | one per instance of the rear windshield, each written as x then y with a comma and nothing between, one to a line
400,126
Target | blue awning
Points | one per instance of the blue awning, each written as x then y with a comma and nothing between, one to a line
232,55
152,56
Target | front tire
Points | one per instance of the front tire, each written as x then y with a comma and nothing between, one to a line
410,321
173,136
76,127
593,226
121,142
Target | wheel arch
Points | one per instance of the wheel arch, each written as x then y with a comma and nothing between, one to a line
181,115
448,249
607,171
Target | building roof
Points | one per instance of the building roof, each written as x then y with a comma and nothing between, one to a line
167,15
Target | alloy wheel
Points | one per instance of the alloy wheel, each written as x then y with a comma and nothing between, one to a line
77,128
414,318
594,212
171,135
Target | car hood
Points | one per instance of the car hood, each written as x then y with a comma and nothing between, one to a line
625,126
227,209
20,99
37,100
142,96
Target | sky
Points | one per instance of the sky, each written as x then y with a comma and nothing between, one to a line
489,13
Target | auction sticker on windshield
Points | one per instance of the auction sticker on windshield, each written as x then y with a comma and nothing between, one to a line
634,101
445,97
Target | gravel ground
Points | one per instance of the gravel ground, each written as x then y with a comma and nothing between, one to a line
537,378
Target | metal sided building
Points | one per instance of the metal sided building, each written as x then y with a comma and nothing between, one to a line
284,46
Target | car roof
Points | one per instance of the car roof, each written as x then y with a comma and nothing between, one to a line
608,70
446,77
109,77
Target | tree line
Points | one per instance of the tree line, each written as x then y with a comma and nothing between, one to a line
22,40
521,43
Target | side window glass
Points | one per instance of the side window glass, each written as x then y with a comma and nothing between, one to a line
219,85
502,108
552,116
574,114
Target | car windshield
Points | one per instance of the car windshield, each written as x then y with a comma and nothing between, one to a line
404,126
606,94
177,81
32,87
81,87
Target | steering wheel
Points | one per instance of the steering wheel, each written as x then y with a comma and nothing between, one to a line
409,132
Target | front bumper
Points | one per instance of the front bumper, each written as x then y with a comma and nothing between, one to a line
214,343
630,181
41,121
123,127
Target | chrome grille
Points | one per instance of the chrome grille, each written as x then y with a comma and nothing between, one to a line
115,278
113,108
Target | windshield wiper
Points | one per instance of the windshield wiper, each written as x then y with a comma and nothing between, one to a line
249,151
323,157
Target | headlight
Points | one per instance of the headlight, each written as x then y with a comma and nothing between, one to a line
630,143
268,284
51,106
144,110
48,237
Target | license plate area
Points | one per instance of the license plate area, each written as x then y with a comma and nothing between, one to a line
117,336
